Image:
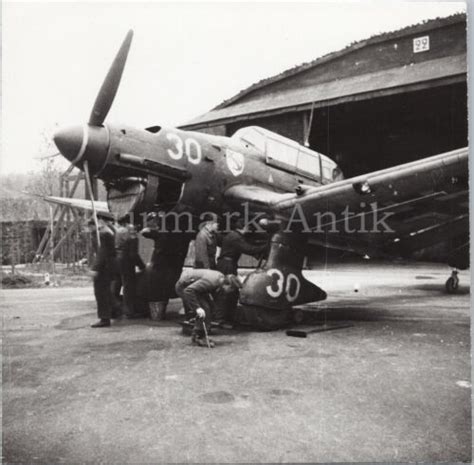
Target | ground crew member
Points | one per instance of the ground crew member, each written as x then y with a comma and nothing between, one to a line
234,244
165,266
196,288
102,272
205,246
116,284
126,246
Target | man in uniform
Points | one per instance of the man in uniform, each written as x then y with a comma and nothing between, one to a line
197,288
126,246
102,272
166,264
205,246
234,244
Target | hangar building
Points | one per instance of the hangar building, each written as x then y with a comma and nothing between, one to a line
390,99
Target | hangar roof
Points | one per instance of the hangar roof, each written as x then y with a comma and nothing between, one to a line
385,82
280,99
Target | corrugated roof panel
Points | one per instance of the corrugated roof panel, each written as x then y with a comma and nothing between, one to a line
383,80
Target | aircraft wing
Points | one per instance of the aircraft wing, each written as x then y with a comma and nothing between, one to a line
101,207
392,212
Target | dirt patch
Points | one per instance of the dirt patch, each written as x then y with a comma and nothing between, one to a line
217,397
282,392
134,351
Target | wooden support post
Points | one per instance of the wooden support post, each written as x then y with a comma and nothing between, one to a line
59,226
51,242
44,243
66,235
68,223
79,220
41,245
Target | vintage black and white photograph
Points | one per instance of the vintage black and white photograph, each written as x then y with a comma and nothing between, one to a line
235,232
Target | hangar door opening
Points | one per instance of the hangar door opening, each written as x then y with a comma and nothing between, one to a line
377,133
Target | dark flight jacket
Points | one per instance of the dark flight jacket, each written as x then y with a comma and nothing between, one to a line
166,264
205,248
105,257
126,245
234,245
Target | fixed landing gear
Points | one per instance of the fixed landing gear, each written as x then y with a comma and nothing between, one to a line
452,283
270,292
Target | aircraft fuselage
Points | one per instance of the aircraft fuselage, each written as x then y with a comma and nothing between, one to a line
204,166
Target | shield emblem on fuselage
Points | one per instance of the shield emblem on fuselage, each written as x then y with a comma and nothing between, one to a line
235,162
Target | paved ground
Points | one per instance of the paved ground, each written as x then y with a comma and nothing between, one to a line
394,387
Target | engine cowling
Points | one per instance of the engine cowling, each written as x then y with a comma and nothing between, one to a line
139,195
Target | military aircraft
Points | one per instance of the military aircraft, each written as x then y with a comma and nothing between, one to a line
298,196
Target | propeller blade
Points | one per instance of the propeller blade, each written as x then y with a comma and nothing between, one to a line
91,194
107,92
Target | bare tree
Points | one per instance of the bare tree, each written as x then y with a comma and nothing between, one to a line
46,180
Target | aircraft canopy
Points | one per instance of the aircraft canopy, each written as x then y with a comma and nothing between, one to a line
287,154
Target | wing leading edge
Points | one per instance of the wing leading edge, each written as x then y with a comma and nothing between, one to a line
391,212
83,204
395,211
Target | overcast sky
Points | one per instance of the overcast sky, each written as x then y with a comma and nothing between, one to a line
185,57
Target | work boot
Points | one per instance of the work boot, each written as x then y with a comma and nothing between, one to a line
102,323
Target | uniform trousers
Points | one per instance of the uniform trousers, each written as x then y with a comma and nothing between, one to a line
103,296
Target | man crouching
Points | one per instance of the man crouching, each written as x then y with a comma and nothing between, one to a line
197,288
